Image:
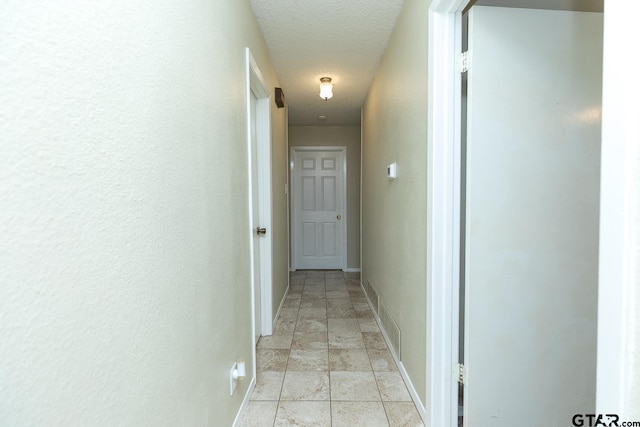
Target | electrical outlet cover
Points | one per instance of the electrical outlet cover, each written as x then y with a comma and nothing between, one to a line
232,381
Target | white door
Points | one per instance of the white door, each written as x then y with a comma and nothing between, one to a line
319,215
255,216
259,147
533,159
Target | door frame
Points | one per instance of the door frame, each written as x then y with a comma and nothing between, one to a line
443,207
292,228
255,83
616,265
619,210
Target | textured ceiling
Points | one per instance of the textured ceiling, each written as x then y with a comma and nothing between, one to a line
341,39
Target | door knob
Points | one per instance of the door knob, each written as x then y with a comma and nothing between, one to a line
261,230
339,217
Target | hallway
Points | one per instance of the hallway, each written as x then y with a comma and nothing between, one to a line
327,363
127,256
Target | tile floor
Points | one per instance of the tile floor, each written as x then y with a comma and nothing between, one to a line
327,363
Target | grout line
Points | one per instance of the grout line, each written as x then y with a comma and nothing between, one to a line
326,314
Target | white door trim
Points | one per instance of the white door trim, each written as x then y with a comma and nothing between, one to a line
443,207
255,83
619,210
338,148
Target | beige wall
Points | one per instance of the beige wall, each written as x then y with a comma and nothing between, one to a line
348,136
280,273
395,212
124,247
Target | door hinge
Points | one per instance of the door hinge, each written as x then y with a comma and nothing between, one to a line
461,374
463,62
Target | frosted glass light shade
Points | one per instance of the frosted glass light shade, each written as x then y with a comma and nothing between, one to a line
326,88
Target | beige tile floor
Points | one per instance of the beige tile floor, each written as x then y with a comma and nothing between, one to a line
327,363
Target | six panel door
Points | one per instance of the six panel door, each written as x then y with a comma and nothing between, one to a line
318,202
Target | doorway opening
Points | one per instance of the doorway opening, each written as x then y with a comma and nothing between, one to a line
449,212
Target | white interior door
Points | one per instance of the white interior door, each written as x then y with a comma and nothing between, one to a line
255,216
533,158
259,147
319,214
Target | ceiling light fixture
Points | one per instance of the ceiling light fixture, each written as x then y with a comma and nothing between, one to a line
326,88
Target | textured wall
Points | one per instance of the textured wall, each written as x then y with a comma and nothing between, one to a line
394,212
124,231
348,136
280,273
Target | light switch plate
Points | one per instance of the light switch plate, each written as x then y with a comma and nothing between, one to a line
392,171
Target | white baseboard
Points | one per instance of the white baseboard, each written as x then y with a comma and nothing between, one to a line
412,390
245,402
284,297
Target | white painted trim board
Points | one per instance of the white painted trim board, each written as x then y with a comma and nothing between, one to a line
245,402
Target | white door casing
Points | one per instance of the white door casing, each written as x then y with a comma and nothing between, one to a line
319,216
259,150
619,297
533,161
440,408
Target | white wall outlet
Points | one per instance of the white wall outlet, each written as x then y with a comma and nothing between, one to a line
233,382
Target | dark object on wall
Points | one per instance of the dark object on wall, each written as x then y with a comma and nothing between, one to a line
279,97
